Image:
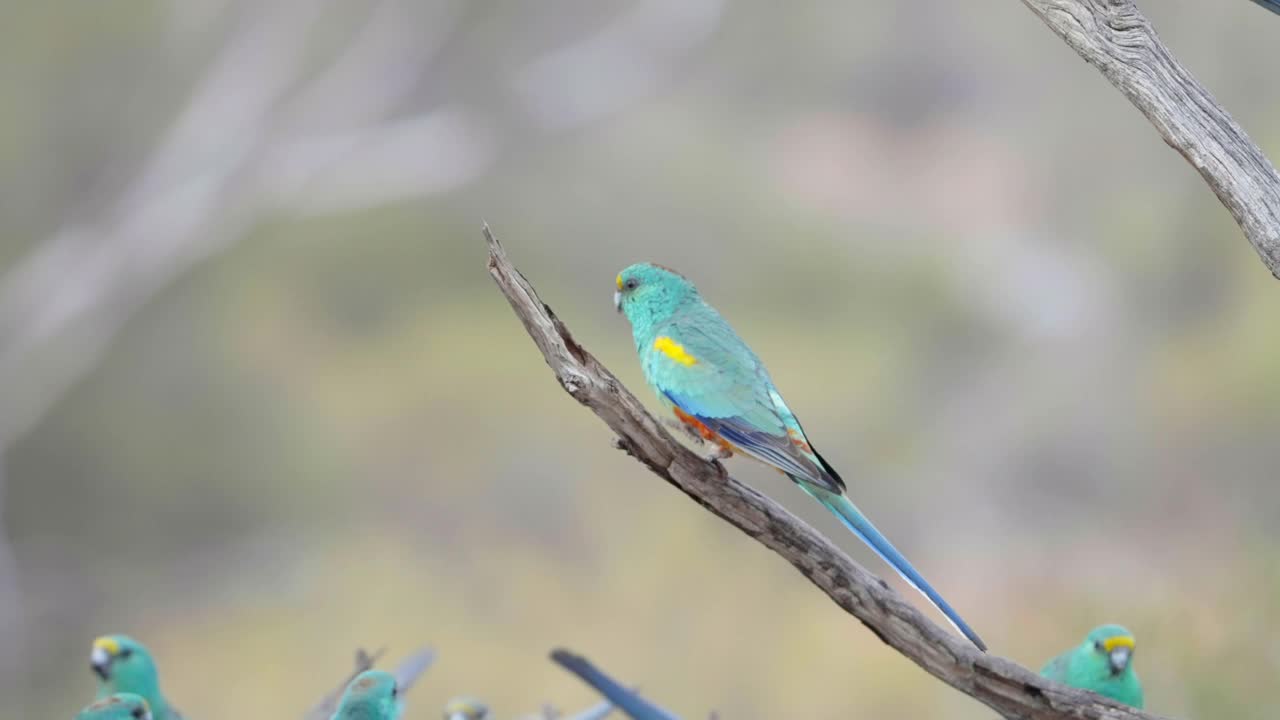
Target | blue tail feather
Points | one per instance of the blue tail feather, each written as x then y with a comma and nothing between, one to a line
626,700
1272,5
844,509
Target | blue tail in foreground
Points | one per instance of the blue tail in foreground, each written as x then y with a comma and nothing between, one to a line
626,700
1272,5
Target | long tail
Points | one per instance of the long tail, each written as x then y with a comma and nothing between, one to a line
842,507
627,701
1272,5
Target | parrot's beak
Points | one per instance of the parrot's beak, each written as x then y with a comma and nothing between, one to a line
1119,659
100,661
1119,652
617,301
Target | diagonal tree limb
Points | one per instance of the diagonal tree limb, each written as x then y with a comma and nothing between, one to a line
1010,689
1115,37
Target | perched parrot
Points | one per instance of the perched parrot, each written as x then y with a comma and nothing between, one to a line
406,675
123,665
372,695
719,389
1102,663
121,706
465,708
628,701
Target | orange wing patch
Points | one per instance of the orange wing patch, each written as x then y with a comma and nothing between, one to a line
707,433
799,441
673,350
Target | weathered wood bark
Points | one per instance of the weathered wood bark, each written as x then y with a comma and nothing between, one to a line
1011,690
1115,37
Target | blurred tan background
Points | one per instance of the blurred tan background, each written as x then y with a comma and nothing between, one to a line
260,403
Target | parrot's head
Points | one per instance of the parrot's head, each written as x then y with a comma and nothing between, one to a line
121,706
372,695
648,293
123,665
1110,648
465,708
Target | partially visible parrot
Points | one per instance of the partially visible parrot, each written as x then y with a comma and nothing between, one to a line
719,389
1272,5
465,708
123,665
406,675
372,695
120,706
628,701
1102,663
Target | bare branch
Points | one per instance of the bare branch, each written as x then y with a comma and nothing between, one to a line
1010,689
1115,37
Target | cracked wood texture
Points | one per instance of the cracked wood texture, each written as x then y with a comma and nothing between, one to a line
1115,37
1009,689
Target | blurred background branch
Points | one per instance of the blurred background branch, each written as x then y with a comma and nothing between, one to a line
1115,37
1013,691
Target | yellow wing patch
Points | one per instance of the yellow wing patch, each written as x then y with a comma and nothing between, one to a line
673,350
1120,641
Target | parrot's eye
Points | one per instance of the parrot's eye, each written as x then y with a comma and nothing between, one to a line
630,284
395,691
139,712
1098,646
125,653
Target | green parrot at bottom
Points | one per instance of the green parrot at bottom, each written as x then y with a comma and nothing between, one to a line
121,706
372,695
719,389
1103,663
123,665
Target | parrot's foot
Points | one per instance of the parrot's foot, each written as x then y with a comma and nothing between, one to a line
685,430
719,451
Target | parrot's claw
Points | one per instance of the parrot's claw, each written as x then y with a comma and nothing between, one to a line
684,430
718,451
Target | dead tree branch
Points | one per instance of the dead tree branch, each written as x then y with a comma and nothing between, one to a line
1010,689
1115,37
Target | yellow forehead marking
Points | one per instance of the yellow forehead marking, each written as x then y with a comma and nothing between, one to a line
673,350
619,280
1123,641
107,645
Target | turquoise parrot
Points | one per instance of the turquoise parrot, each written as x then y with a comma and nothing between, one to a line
372,695
1102,663
123,665
628,701
121,706
465,708
406,674
720,390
